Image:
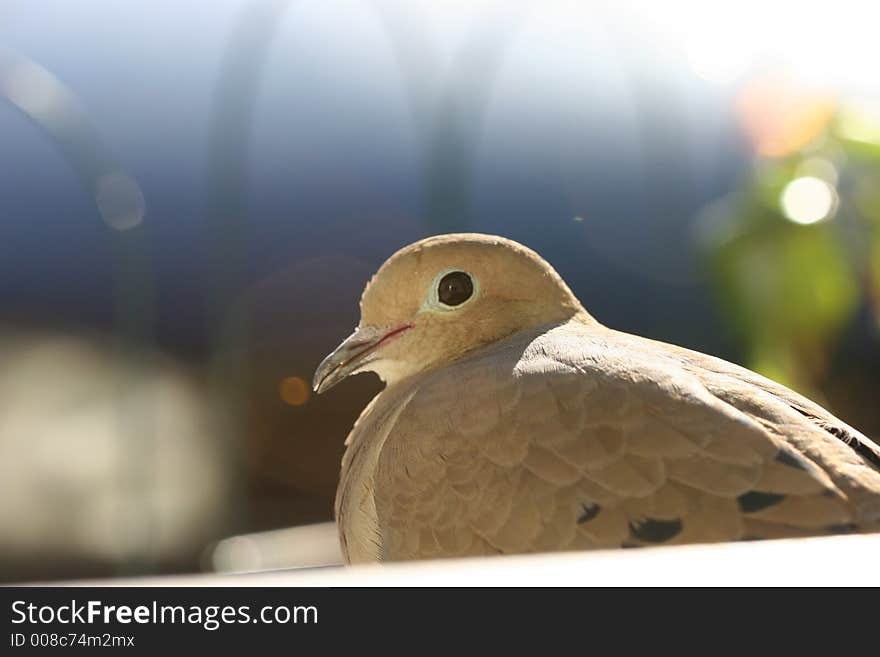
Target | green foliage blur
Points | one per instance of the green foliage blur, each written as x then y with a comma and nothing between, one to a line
794,263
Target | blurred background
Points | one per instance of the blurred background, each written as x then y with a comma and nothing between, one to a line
193,194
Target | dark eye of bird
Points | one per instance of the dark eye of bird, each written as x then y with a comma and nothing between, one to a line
455,288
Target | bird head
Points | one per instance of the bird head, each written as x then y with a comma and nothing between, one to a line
443,297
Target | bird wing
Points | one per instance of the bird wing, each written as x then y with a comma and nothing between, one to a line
580,438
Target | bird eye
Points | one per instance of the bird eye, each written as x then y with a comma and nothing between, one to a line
455,288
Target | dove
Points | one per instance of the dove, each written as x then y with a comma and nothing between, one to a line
512,421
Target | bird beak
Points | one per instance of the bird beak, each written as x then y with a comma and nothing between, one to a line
354,352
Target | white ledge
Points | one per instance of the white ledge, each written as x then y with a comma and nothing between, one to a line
827,561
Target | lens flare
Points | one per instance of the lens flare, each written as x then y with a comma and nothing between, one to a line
808,200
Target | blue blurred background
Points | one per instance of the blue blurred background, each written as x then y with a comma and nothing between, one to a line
192,196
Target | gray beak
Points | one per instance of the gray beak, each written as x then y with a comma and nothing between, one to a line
355,351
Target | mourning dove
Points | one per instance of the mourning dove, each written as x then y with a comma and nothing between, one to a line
512,421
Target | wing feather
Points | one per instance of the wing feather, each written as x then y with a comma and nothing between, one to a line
570,439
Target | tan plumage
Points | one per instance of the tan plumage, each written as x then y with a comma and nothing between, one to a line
514,422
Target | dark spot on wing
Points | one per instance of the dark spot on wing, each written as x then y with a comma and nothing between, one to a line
792,459
590,511
756,500
650,530
848,528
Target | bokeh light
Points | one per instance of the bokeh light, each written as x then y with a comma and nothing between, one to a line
120,201
808,199
294,391
782,115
